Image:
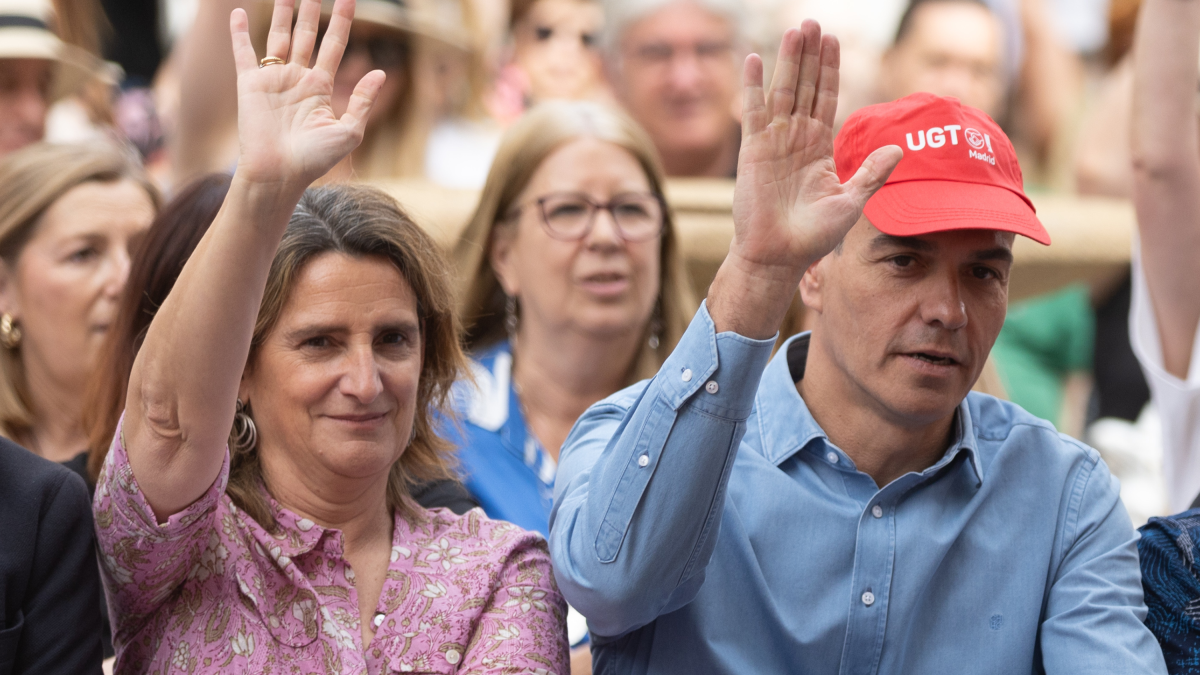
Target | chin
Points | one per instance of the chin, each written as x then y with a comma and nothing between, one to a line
361,459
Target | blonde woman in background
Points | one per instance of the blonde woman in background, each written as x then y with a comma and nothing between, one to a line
427,49
572,288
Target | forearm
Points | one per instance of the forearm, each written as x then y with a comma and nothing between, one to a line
642,481
1166,155
184,382
751,299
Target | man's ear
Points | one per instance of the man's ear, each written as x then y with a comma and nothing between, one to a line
812,284
9,304
500,255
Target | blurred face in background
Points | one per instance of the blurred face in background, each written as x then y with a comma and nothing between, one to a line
555,46
373,47
952,48
676,75
24,100
602,284
64,287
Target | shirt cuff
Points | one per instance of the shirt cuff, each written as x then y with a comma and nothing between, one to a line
1144,335
724,368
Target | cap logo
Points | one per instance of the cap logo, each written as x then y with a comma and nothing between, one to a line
935,137
977,139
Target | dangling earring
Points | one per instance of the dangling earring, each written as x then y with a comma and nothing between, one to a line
10,333
245,434
510,318
656,326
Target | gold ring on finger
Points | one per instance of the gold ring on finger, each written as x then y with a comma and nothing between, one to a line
270,61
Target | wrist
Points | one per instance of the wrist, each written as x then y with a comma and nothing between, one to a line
752,299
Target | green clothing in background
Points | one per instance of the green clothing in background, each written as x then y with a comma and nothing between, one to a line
1044,339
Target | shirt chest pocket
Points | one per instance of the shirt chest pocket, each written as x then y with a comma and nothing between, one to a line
291,614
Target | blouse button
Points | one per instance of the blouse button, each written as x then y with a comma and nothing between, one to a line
687,375
712,387
378,620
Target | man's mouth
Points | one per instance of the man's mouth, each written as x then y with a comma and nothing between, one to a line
935,359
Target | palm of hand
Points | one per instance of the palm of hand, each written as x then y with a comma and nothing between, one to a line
286,124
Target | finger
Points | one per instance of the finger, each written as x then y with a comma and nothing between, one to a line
280,36
359,107
333,45
244,57
873,174
825,107
304,37
810,67
754,108
781,97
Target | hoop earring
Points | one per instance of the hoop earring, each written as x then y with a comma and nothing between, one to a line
510,318
656,326
10,332
245,434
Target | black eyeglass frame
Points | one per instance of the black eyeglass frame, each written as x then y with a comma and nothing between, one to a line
594,209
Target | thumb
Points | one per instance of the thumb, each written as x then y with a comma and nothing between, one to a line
873,174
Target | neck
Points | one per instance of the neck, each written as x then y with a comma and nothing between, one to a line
570,373
884,445
57,407
719,161
357,507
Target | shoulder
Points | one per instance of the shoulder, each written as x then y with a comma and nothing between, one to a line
1004,421
452,542
27,480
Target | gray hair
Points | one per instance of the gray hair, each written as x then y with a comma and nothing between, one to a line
619,14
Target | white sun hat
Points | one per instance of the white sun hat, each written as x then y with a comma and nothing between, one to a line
26,32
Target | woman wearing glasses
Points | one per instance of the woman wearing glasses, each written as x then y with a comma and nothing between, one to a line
574,289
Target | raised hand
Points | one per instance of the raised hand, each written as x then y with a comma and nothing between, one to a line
789,208
287,131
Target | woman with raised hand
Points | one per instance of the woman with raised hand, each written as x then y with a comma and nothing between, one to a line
319,326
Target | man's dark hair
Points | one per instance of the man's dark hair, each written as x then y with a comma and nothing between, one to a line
906,19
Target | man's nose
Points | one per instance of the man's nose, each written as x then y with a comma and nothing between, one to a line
943,303
686,70
361,379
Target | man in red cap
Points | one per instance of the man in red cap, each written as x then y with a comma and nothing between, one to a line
849,506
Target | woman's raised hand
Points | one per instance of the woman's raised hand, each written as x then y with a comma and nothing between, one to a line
287,131
789,207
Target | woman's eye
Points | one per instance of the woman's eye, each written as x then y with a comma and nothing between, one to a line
83,254
394,338
589,40
543,33
317,342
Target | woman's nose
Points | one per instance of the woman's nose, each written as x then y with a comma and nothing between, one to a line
605,232
361,379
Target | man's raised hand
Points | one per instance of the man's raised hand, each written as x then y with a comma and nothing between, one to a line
789,208
287,131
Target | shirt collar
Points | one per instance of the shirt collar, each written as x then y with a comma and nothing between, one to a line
786,425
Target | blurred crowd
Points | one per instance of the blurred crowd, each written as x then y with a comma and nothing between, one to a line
119,134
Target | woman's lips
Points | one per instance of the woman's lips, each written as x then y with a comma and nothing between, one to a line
362,420
605,285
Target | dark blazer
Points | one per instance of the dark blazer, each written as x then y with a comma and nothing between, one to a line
49,581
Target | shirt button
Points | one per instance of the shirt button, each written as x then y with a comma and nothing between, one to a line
712,387
868,598
877,511
378,620
687,375
832,457
643,460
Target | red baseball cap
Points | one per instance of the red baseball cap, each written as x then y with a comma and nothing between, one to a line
959,170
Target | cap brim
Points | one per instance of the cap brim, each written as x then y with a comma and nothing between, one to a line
918,207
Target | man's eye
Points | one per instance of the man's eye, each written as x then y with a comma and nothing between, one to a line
982,272
543,33
903,260
589,40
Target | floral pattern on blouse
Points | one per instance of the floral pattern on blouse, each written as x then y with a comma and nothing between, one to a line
212,591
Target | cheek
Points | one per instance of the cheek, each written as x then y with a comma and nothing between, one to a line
55,296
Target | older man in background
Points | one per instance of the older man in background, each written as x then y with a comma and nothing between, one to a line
673,64
36,69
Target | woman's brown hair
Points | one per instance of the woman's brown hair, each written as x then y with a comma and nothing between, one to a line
31,179
360,221
538,133
169,243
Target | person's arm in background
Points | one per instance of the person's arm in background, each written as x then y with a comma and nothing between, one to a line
1166,160
627,548
206,127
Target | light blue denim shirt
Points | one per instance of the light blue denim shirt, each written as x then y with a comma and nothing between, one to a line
703,523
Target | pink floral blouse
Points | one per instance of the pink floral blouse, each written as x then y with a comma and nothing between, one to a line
211,591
